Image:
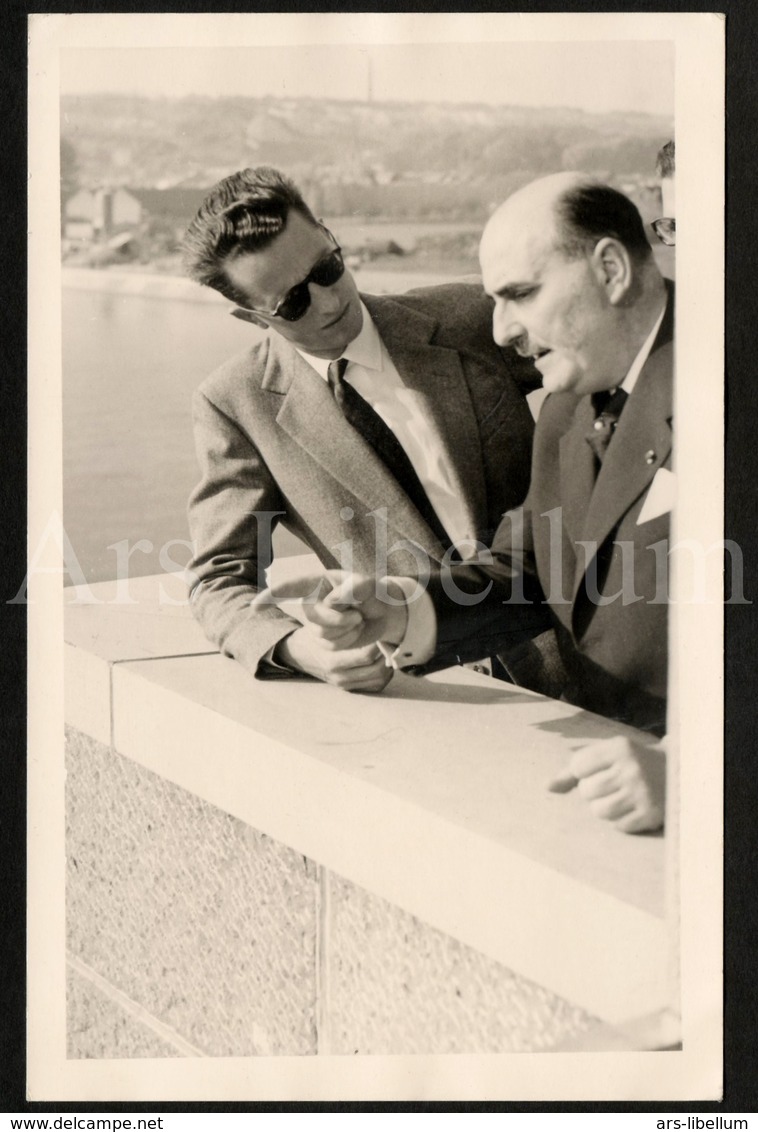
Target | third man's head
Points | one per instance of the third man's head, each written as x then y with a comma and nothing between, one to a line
665,167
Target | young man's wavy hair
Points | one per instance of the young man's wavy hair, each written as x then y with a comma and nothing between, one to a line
243,213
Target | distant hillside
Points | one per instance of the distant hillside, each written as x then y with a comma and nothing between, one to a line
392,158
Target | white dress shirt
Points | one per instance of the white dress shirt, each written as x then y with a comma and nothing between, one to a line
635,368
372,373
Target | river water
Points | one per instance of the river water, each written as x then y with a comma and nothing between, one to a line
132,354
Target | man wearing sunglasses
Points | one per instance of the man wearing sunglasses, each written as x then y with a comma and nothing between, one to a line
383,431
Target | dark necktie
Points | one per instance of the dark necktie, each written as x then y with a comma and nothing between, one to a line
382,439
607,408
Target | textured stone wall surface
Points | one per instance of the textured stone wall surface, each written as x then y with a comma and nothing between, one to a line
99,1027
398,986
239,946
206,923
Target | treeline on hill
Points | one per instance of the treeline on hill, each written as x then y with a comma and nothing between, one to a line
416,161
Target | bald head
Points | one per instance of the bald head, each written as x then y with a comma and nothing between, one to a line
568,212
572,275
537,200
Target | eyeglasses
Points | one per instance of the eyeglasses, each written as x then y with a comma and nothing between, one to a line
296,302
665,230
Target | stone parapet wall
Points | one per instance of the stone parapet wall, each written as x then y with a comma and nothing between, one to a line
191,934
282,869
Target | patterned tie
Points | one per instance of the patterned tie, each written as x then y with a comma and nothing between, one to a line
608,407
382,439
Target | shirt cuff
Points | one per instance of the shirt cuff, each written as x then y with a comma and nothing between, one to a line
420,640
269,666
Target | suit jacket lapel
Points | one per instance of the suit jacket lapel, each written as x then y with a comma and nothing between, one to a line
641,444
436,375
311,417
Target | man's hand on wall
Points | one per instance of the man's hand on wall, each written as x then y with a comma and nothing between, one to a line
353,669
344,617
622,781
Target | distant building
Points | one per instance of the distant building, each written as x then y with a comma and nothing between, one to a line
100,215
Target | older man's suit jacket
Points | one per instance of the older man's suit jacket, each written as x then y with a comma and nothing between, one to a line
588,549
274,447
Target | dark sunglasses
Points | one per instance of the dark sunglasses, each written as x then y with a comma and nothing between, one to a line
665,230
297,300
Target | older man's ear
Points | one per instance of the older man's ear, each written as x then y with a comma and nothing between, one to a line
613,268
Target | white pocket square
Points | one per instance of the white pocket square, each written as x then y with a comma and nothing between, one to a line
661,496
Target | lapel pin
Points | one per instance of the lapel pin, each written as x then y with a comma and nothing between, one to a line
650,456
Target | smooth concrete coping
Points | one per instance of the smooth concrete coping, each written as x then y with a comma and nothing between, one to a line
110,622
431,795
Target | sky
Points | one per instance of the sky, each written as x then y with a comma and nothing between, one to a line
595,76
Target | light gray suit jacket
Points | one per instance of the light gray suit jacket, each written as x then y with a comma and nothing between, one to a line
274,447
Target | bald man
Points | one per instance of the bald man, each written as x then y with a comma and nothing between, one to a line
576,289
